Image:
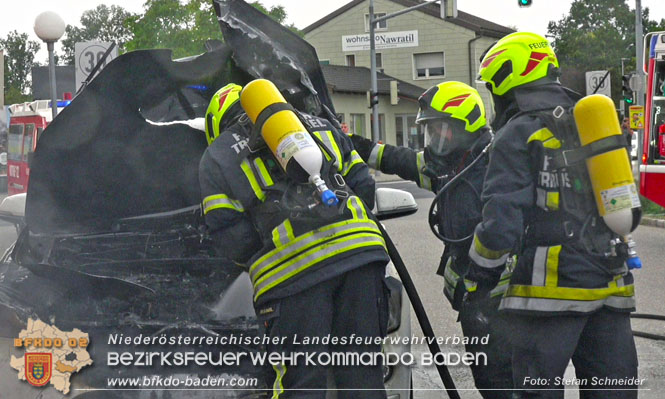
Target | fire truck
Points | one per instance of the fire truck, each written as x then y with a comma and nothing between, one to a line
652,165
26,123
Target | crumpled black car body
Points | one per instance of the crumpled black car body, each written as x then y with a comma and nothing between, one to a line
113,241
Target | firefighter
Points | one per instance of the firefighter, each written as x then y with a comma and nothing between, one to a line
568,297
453,117
316,272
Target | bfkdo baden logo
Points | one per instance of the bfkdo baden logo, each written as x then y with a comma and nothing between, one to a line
51,355
38,368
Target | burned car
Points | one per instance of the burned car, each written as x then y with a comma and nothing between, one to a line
112,239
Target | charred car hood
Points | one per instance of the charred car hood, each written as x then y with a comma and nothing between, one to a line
109,155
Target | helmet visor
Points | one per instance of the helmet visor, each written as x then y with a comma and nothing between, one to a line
439,136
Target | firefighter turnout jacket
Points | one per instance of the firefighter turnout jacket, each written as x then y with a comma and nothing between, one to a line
556,272
252,213
459,208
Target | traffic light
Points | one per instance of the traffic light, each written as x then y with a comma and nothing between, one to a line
626,91
524,3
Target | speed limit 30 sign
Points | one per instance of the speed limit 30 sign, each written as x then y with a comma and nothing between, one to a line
87,55
598,82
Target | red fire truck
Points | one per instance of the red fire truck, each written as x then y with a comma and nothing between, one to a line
26,123
652,165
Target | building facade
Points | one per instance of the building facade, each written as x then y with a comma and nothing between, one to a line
419,48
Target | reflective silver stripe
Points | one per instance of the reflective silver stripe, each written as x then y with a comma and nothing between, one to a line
564,305
504,281
539,267
221,201
484,262
354,160
374,160
425,181
314,256
263,172
283,233
331,145
355,205
450,278
541,198
307,240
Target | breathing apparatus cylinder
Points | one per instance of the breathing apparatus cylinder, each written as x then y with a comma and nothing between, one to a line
610,172
290,142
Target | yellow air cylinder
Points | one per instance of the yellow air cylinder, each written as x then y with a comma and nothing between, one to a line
610,172
290,142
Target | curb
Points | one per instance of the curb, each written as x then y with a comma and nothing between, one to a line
653,222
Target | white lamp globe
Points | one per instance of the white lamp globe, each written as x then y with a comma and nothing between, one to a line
49,26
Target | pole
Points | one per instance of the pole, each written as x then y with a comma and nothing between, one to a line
51,67
373,95
639,72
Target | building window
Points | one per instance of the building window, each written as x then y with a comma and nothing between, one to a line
379,62
351,60
407,133
324,62
428,65
378,26
358,125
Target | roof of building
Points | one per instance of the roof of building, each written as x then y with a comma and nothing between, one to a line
481,26
346,79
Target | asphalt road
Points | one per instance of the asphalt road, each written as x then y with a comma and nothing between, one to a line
421,252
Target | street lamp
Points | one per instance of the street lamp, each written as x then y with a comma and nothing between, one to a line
50,27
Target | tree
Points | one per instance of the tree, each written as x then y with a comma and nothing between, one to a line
181,25
19,59
103,23
596,35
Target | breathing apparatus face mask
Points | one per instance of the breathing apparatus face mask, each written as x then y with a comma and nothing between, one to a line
446,140
439,136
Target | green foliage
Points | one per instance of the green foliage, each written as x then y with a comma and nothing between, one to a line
103,23
19,58
595,35
181,25
651,208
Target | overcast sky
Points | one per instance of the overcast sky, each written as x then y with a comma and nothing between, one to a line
21,15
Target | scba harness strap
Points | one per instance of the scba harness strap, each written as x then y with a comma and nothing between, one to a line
582,228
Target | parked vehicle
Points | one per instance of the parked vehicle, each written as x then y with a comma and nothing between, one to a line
112,238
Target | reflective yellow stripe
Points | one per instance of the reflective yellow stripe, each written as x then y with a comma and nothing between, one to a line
374,160
290,250
252,180
278,386
218,201
552,201
546,137
487,253
311,238
315,256
568,293
265,176
425,181
329,141
318,134
283,233
552,266
355,159
355,205
336,150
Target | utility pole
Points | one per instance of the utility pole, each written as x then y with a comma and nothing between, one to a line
374,95
639,73
639,52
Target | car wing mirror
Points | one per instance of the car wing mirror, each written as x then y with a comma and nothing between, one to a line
392,203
